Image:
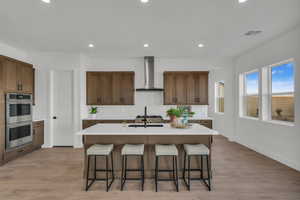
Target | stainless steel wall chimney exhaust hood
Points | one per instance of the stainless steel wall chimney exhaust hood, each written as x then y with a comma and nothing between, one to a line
149,76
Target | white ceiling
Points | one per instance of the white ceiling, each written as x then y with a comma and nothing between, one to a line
173,28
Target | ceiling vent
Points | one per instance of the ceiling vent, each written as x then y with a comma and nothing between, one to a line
253,33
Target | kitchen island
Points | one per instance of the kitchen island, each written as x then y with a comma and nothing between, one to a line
120,134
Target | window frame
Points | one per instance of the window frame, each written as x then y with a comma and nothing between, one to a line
217,95
243,90
269,77
265,94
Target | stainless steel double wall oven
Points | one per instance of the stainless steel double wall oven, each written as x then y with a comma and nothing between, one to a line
18,120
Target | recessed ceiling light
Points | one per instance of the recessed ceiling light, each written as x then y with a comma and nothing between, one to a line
146,45
91,45
46,1
242,1
144,1
200,45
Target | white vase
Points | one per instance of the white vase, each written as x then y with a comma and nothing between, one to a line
93,116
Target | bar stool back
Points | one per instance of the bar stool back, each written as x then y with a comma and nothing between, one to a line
196,150
102,150
132,150
166,150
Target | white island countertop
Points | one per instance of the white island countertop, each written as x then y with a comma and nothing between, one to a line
123,129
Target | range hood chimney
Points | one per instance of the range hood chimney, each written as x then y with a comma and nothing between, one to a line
149,75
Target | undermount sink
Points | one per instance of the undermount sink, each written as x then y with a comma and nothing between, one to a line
143,126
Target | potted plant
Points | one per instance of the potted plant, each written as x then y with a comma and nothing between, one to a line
173,113
278,112
93,112
176,114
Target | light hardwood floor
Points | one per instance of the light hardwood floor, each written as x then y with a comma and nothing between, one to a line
239,174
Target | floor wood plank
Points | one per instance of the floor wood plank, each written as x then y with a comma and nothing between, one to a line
239,174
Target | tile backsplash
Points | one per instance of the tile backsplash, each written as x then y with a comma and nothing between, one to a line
154,102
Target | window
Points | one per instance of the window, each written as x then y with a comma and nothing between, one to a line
268,94
251,94
282,92
219,104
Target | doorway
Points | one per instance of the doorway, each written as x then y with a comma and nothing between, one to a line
62,108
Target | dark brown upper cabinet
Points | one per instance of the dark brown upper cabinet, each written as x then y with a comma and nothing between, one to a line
16,76
186,88
110,88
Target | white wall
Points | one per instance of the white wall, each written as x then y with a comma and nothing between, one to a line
13,52
224,123
46,62
154,100
276,141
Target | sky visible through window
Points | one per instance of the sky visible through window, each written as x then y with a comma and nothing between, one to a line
252,83
283,78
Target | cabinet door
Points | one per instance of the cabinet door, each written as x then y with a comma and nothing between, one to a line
192,89
127,88
105,88
203,88
10,76
169,89
194,92
180,89
25,77
38,135
116,88
92,88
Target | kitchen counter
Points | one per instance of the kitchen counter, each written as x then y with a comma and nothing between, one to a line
120,129
133,118
118,134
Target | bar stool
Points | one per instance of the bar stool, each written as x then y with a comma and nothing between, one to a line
166,150
103,150
196,150
132,150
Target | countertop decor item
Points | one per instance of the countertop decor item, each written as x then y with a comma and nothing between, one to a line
179,116
93,112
